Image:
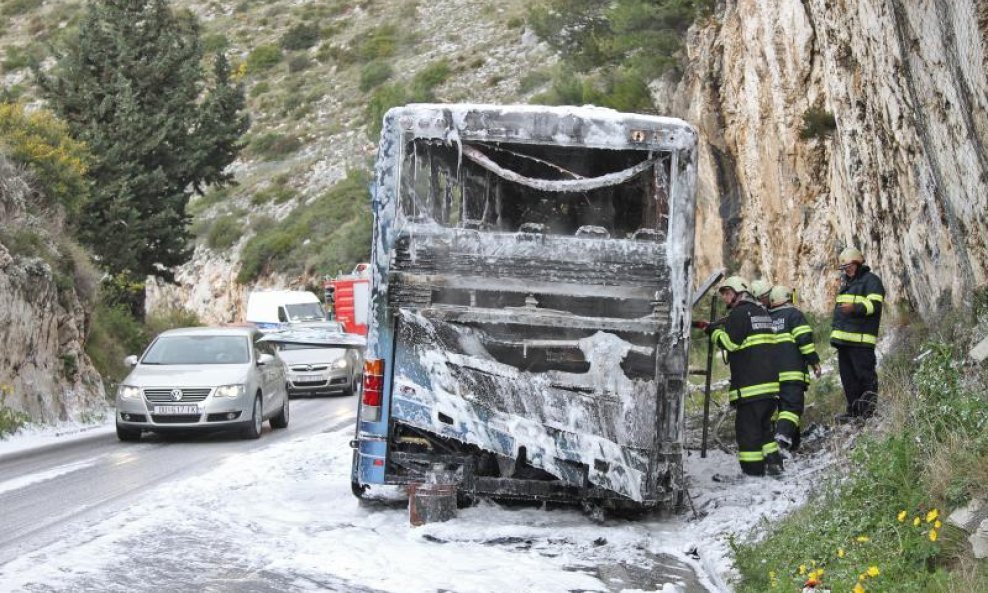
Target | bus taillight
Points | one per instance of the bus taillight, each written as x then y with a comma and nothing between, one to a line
370,409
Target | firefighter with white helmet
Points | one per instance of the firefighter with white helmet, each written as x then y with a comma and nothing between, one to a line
796,355
857,315
760,289
747,335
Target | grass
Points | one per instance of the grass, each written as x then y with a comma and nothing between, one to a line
886,515
332,232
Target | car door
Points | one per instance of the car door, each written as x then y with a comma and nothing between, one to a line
268,376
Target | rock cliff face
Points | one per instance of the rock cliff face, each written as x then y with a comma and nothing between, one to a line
903,174
44,371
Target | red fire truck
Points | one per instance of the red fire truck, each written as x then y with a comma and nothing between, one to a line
348,297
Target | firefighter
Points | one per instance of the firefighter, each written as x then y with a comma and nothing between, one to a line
760,289
796,355
857,315
747,335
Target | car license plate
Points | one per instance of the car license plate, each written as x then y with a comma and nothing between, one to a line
308,378
176,410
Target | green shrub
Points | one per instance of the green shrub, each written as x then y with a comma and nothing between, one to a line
272,146
278,193
384,98
300,36
224,232
381,42
17,57
11,420
299,63
427,79
263,57
260,88
42,143
18,7
213,197
533,80
215,42
817,123
374,73
331,232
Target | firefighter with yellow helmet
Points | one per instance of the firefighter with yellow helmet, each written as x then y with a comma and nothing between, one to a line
796,356
748,338
857,315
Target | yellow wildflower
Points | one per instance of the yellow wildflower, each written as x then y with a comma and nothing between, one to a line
863,538
937,524
873,571
932,515
902,516
840,552
933,535
771,574
916,522
862,576
802,569
858,588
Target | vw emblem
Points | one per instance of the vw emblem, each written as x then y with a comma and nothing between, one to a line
176,394
308,367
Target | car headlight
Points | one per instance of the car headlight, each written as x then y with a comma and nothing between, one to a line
340,364
231,391
128,392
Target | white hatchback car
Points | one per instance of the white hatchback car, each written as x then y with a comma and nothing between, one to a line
206,379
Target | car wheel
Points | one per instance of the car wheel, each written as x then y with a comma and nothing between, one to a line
281,420
351,388
252,430
128,435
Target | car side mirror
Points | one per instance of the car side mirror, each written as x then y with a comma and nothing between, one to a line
264,359
130,361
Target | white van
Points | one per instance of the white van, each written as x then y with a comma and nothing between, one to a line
274,309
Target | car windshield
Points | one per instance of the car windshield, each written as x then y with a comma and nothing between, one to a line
198,350
305,312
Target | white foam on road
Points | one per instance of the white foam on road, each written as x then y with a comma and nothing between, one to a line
43,476
36,436
286,512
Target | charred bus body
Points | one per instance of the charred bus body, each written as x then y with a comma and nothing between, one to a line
530,309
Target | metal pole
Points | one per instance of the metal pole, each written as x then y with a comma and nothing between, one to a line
706,387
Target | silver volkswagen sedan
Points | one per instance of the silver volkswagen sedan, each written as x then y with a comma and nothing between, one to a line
203,378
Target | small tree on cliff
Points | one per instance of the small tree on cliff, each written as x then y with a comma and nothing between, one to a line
131,84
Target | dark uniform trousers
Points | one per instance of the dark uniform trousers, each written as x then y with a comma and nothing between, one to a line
755,436
859,378
791,404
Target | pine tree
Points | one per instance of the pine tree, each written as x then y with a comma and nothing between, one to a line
132,85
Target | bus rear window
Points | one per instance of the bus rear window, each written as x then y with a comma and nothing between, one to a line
620,194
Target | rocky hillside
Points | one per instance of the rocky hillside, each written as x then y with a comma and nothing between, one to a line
46,288
823,123
827,123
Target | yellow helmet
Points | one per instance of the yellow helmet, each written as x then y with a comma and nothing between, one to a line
760,288
851,255
779,294
735,283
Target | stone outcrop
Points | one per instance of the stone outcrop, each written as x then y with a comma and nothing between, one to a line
903,173
44,369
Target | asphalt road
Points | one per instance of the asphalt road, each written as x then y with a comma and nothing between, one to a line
49,493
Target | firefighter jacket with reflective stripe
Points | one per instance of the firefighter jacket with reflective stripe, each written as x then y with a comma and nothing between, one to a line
859,327
796,350
748,337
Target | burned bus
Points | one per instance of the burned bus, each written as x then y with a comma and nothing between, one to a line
529,311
